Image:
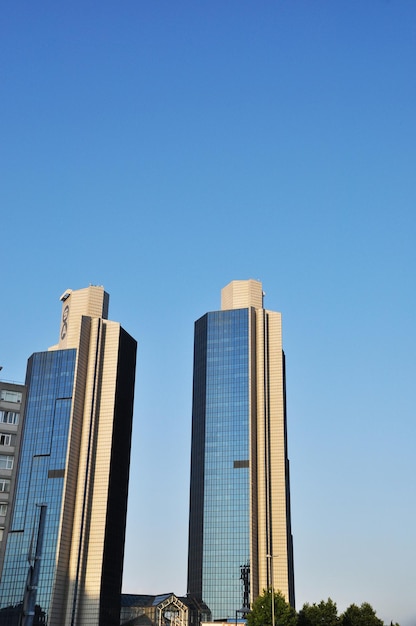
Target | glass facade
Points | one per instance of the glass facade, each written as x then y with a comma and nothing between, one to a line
220,481
40,480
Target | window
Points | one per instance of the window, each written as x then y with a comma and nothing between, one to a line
4,485
3,509
10,396
1,534
9,417
6,462
5,440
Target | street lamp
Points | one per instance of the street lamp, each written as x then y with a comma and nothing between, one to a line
270,556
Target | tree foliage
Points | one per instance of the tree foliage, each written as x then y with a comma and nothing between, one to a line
322,614
261,612
363,615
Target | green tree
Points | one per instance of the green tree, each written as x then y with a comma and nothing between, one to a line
322,614
261,611
363,615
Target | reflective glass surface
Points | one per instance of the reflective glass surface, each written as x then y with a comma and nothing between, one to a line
43,451
220,450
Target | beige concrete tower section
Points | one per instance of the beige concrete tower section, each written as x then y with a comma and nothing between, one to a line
100,356
91,302
272,481
270,562
240,294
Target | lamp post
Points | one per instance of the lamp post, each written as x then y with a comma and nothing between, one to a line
29,600
270,556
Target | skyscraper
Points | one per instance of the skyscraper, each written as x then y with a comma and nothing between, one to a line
73,472
240,540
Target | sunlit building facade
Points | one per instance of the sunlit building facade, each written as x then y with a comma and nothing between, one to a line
240,539
12,403
74,465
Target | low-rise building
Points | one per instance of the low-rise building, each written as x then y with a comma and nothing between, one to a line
161,610
12,402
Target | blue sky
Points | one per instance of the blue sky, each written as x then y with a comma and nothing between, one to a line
162,149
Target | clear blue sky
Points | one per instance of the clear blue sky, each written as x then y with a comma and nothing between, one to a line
163,148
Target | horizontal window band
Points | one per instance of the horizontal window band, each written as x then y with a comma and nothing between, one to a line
58,473
238,464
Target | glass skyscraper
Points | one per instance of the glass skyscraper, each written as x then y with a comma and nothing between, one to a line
73,466
240,539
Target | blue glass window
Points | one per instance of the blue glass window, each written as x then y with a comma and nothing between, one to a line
43,451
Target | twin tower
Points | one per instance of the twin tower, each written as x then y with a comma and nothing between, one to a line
73,467
240,540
